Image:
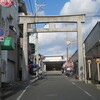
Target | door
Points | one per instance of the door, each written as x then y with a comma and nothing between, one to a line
10,71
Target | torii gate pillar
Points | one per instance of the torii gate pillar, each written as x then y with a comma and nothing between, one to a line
80,52
25,54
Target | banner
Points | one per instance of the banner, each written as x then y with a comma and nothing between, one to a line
7,3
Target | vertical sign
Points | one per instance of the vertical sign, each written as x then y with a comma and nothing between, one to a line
0,46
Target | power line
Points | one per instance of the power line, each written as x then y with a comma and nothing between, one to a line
31,6
27,5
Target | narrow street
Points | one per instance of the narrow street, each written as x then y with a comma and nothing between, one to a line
59,40
55,86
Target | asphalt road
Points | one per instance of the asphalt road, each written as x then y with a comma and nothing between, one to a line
58,87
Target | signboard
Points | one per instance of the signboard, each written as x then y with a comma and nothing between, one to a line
1,32
7,3
70,64
8,44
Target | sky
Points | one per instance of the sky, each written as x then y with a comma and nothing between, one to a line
55,43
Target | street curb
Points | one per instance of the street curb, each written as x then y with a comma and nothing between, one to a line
31,81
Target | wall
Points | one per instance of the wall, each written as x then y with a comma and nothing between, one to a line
10,18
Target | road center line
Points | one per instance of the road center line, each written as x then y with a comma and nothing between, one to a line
84,91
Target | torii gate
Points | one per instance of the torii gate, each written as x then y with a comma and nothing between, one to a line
30,19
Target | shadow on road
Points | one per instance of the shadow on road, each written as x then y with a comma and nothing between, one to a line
53,74
12,89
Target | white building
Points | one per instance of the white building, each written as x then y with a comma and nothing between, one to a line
53,62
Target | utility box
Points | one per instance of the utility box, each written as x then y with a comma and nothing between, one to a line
8,44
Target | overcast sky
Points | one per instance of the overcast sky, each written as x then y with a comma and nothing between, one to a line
55,43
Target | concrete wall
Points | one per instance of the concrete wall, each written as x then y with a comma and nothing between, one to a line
10,18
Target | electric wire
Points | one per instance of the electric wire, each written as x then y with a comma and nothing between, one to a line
31,6
27,5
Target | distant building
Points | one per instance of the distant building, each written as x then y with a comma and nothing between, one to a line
53,62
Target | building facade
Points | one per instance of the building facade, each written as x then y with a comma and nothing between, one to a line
92,55
92,49
9,57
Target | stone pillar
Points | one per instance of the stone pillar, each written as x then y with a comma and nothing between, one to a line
98,68
80,51
25,54
89,64
89,69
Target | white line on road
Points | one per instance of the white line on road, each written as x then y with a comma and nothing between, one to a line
88,93
26,89
34,80
22,93
84,91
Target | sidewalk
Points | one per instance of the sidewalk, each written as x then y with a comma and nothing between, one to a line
96,86
15,88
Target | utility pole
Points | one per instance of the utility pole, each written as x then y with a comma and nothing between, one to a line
68,45
67,53
36,13
36,49
67,48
